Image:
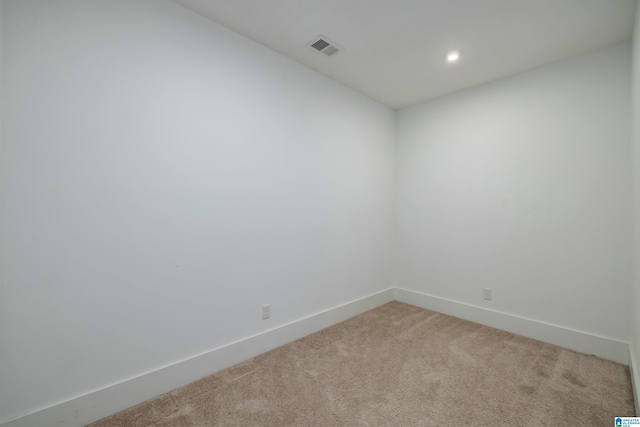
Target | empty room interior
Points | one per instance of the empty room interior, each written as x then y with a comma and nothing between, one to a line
186,185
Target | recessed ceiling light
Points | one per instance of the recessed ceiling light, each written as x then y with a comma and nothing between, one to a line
453,55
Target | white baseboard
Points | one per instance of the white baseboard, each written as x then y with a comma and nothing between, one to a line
109,400
635,381
582,342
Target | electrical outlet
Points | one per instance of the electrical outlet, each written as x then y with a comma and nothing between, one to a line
266,311
486,294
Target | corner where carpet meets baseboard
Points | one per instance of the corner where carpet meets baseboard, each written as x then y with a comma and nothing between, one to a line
635,381
112,399
582,342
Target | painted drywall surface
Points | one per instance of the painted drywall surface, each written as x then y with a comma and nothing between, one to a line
523,186
2,264
163,178
635,143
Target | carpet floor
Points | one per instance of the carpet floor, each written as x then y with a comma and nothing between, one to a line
400,365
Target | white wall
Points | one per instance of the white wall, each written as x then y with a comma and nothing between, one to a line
635,142
523,186
162,178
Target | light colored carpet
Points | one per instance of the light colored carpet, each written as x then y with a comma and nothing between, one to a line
400,365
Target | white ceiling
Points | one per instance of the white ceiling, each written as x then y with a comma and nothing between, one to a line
394,49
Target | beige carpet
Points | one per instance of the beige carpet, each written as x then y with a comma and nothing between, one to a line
400,365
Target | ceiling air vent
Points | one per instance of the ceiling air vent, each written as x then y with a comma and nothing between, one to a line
324,46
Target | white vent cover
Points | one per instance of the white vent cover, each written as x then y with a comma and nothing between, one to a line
324,46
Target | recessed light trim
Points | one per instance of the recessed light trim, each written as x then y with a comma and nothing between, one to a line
453,55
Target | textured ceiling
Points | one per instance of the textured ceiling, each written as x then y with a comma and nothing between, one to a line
394,50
